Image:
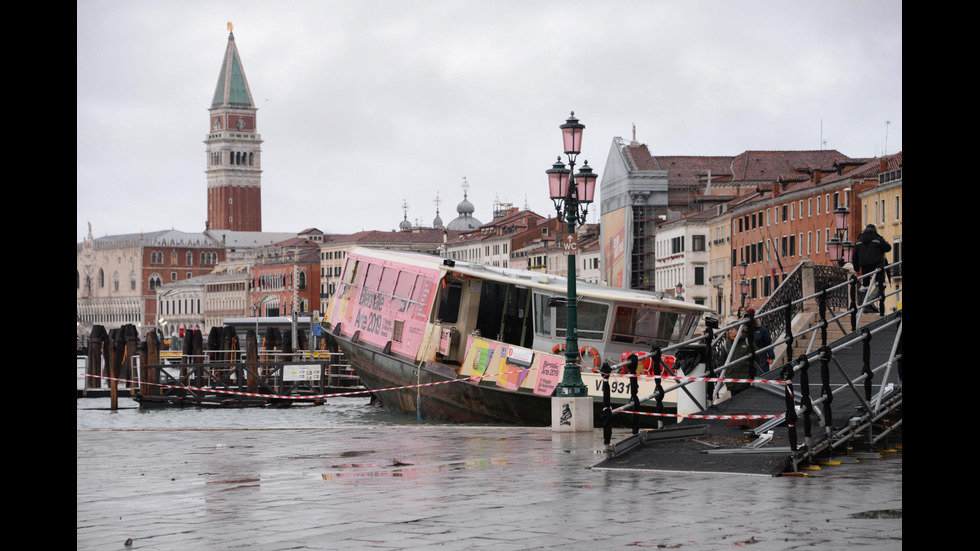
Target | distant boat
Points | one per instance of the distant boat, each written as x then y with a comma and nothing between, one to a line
467,343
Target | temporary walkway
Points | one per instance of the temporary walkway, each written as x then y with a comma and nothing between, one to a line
837,396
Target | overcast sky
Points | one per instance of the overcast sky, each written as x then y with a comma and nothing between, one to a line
366,104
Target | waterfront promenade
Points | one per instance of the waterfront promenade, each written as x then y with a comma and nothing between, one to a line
162,483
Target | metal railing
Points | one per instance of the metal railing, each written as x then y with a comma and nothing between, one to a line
275,373
838,299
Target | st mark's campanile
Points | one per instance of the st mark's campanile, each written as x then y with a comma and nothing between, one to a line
234,166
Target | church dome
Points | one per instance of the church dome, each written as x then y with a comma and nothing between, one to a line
465,209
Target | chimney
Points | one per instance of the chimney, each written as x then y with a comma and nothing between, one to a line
883,165
817,175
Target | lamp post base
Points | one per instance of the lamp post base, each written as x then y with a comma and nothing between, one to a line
572,414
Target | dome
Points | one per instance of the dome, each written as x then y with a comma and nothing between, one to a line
405,224
465,207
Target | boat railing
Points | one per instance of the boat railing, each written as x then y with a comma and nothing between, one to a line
831,310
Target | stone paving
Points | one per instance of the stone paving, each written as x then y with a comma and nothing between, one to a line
452,487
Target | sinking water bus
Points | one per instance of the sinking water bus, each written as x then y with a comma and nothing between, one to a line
461,342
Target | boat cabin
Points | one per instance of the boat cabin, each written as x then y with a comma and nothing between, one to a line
408,304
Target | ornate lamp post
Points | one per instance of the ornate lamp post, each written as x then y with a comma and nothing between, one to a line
571,195
743,286
840,248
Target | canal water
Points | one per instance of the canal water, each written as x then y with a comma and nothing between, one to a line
350,475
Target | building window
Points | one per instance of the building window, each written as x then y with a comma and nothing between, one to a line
898,199
190,259
698,275
698,243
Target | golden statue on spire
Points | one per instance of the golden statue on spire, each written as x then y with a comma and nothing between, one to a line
229,26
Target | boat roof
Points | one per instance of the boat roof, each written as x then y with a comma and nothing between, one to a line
553,284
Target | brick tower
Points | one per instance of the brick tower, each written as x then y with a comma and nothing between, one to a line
234,165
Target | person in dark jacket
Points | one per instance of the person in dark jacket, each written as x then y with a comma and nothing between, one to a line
869,255
762,339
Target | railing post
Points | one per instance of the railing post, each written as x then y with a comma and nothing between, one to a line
866,368
822,306
709,363
880,284
659,389
854,308
634,390
789,333
750,339
805,401
828,396
790,409
606,414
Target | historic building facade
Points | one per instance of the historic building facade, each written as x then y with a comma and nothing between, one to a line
117,276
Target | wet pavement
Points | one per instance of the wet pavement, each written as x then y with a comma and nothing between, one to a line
451,487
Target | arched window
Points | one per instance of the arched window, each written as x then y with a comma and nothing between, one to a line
173,258
250,159
190,259
302,281
101,279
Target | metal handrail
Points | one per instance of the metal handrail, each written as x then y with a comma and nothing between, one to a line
740,324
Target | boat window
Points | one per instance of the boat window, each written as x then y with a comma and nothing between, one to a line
349,277
449,302
504,313
372,277
591,317
649,327
387,285
403,291
542,314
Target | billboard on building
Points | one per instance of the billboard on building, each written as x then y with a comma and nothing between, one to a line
615,243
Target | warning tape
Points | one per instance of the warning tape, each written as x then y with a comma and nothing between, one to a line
470,378
696,416
775,382
305,396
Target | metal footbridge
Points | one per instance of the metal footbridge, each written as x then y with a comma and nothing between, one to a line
836,389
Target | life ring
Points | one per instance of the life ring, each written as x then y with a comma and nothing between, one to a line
557,348
596,360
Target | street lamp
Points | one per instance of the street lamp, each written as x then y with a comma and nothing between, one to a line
840,249
743,286
571,195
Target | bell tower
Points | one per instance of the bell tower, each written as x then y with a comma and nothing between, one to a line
234,154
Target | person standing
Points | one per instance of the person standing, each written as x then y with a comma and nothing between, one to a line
740,359
869,255
762,339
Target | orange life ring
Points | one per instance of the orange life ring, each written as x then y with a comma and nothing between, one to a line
596,360
557,348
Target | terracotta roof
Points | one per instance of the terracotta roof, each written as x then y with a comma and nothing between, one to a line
770,165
